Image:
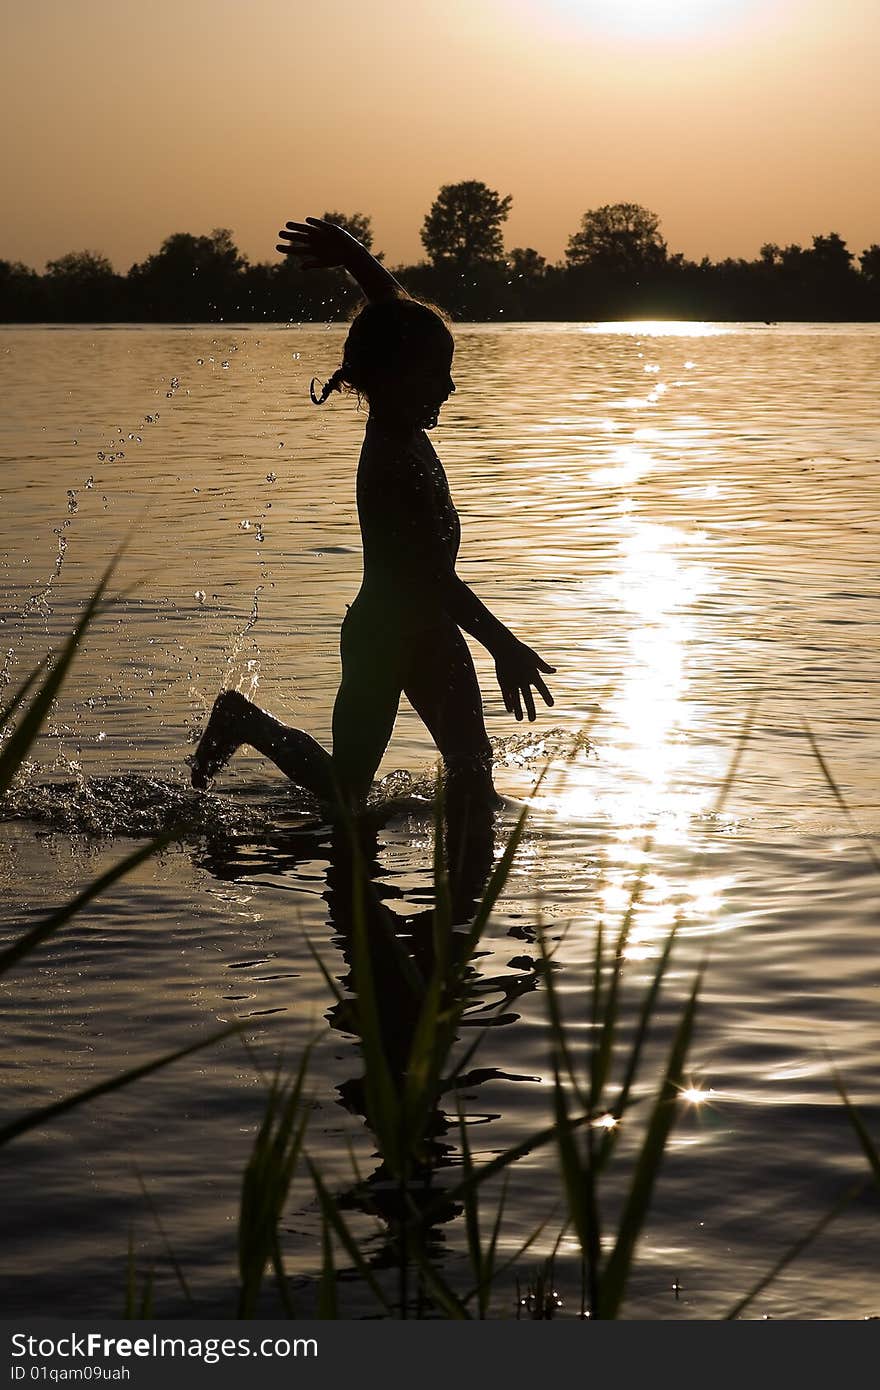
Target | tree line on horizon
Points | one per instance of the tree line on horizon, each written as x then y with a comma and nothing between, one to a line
616,265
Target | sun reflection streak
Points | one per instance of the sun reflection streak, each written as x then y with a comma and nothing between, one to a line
650,784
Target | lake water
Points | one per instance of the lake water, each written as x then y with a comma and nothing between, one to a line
683,518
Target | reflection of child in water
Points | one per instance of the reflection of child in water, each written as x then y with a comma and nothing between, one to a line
402,633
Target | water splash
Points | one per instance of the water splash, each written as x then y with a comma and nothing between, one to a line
134,804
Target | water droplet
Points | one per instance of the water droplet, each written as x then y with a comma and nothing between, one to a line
244,525
200,361
101,455
224,364
200,596
72,504
90,482
281,446
260,536
271,477
101,736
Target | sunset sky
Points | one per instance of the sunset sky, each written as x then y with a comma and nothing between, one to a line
737,121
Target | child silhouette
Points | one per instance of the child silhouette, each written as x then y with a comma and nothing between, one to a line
403,632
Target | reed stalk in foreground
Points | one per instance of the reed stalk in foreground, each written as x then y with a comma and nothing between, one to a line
21,720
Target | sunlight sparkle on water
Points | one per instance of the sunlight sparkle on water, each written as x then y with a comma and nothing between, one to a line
694,1095
658,328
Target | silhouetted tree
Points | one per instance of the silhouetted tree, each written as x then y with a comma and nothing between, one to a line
869,260
463,225
191,277
832,254
82,285
619,238
22,293
624,273
81,266
525,263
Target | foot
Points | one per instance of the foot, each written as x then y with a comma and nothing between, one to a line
220,739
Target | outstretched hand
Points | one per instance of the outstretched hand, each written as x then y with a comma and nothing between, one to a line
517,668
317,245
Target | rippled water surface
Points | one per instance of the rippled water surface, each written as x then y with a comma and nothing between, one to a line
684,520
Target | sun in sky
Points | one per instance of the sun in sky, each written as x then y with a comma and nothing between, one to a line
674,19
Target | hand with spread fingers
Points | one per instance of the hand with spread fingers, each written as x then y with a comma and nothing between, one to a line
318,245
517,668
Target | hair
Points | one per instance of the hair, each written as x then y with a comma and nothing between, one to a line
385,336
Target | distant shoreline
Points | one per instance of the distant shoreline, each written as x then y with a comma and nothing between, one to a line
239,324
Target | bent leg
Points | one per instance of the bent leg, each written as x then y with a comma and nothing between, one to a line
235,721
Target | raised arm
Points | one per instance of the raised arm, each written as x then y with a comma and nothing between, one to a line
321,245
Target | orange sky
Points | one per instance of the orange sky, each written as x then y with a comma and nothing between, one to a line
738,121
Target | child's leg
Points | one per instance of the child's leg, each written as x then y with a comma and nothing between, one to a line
442,687
235,721
363,720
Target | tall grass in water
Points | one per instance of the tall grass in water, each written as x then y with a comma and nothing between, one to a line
21,720
406,1079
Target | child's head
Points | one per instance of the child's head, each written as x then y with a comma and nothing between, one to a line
398,354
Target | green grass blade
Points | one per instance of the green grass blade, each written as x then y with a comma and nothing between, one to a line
440,1290
172,1258
572,1172
471,1208
265,1186
328,1306
554,1011
869,1148
333,1216
616,1273
838,794
646,1014
517,1255
603,1049
18,744
33,938
498,1165
381,1093
795,1250
130,1279
21,694
47,1113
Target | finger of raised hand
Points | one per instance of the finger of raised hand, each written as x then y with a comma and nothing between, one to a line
542,690
517,703
545,666
529,702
